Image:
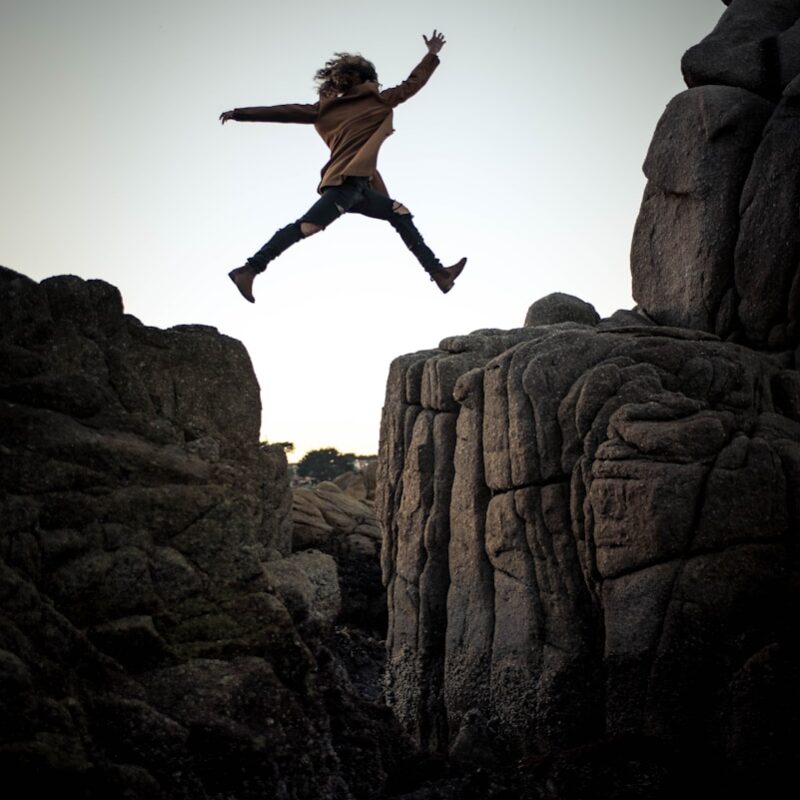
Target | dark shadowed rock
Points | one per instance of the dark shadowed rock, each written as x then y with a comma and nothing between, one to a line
768,247
308,585
754,47
558,307
627,318
615,547
715,245
328,519
682,255
157,639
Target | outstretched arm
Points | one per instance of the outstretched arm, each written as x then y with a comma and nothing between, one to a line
420,74
292,112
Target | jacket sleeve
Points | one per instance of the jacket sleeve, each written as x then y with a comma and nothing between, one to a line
415,81
293,112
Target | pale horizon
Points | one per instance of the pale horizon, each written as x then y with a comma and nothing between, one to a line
523,152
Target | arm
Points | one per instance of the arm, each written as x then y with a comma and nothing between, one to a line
420,74
293,112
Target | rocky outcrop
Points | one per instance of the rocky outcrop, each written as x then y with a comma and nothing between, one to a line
591,532
754,46
341,522
717,243
158,639
590,525
360,483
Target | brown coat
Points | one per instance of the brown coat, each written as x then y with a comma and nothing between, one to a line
353,125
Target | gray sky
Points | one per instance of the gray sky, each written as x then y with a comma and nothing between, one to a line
523,153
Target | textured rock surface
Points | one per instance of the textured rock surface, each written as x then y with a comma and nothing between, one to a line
591,533
717,242
685,236
157,639
767,262
342,523
754,46
590,546
361,483
559,307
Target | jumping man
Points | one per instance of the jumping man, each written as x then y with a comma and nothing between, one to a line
353,116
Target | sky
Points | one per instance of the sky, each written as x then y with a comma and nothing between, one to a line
523,153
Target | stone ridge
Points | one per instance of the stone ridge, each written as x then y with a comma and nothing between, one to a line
717,242
158,639
589,532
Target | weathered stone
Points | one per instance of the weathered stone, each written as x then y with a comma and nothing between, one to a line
750,47
559,307
356,485
154,640
133,641
470,599
597,474
789,54
336,522
682,255
768,248
308,586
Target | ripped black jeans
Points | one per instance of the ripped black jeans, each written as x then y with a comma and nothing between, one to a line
355,196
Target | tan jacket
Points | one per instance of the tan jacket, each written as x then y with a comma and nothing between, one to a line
353,125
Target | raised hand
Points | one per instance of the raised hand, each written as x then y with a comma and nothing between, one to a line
225,116
435,43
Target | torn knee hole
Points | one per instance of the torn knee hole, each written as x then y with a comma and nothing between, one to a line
340,208
399,208
309,229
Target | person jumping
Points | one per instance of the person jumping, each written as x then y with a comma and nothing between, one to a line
353,116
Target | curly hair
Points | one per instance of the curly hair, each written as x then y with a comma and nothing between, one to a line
342,72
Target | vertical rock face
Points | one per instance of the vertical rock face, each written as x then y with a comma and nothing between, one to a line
717,242
767,258
598,540
157,638
591,525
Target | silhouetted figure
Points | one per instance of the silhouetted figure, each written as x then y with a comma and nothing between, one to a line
353,116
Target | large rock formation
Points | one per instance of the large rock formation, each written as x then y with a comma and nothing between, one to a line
342,523
158,639
717,243
591,525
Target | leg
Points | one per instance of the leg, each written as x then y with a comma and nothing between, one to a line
328,208
379,206
333,203
402,220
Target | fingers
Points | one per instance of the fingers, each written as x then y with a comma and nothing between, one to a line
435,43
